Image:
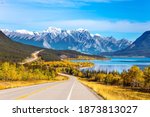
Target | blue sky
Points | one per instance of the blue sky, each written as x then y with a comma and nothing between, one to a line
118,18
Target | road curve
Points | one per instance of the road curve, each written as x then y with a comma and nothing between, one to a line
71,89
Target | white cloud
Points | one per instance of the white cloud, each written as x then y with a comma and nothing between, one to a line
101,25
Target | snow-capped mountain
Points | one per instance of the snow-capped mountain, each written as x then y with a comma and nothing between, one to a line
80,40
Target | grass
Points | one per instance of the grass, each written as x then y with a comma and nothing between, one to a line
116,92
14,84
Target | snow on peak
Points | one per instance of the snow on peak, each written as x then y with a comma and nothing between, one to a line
5,30
92,35
25,32
53,30
46,44
98,35
81,29
69,31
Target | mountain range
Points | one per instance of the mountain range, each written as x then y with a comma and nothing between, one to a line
16,52
140,47
68,41
79,40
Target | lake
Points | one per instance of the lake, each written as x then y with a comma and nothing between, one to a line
116,64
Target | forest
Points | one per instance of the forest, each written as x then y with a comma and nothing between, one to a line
134,78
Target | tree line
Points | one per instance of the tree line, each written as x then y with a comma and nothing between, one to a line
39,70
133,78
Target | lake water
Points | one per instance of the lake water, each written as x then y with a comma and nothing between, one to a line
116,64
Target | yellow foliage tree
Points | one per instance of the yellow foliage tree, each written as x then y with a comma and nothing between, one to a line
135,75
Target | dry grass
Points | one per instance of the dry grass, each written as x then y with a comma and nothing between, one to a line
13,84
116,92
60,77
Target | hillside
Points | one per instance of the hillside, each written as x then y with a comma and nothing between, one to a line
140,47
15,52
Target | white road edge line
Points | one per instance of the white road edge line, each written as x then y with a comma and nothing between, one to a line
69,96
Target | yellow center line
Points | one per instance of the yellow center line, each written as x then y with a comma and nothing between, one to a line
36,91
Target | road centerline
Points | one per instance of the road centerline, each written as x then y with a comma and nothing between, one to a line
70,93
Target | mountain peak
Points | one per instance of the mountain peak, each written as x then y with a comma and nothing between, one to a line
147,32
97,35
5,30
53,30
25,32
81,30
144,37
1,33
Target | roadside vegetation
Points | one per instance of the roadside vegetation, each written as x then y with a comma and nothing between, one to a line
111,92
14,72
131,84
14,75
134,78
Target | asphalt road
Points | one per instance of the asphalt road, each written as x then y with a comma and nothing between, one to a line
71,89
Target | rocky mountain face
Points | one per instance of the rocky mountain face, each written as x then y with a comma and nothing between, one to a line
140,47
80,40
